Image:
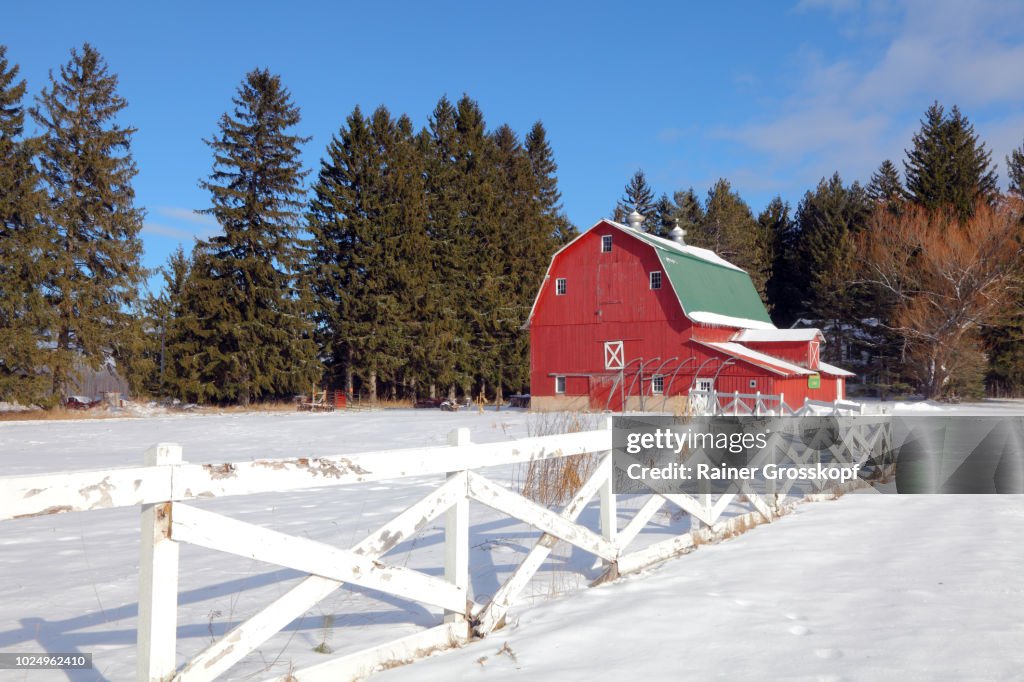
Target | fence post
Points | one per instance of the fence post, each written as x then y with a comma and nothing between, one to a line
609,517
735,403
156,658
782,403
757,405
456,536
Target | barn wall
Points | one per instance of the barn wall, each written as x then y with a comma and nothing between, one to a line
797,352
795,389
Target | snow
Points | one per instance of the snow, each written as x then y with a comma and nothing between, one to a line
727,321
776,335
867,587
695,251
856,588
833,370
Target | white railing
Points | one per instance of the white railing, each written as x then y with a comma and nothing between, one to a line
165,485
764,404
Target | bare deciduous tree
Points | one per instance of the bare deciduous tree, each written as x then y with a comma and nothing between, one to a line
948,278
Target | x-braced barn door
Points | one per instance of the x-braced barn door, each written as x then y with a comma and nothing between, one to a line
613,355
606,390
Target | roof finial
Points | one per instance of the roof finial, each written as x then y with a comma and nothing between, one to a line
677,234
635,221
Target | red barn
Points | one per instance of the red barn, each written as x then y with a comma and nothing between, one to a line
627,319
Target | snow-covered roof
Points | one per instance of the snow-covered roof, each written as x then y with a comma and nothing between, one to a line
769,362
834,371
761,335
705,317
695,251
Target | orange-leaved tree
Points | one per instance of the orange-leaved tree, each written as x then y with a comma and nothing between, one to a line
947,278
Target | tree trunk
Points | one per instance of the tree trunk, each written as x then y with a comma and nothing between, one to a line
243,396
373,386
348,375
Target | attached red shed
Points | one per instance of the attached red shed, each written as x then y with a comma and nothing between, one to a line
627,319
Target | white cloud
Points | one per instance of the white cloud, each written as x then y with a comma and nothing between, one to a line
188,215
168,231
850,113
834,6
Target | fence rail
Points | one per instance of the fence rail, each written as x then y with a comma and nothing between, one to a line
166,484
764,404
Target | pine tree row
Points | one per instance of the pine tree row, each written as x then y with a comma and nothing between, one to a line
409,271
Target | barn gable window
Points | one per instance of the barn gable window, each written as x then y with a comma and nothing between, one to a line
560,286
606,243
656,279
657,384
560,385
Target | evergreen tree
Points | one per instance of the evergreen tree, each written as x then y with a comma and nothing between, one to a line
729,229
521,248
689,210
478,233
167,364
1004,339
666,213
88,170
445,336
1015,171
638,197
947,164
885,187
25,316
781,290
544,168
828,221
256,338
370,254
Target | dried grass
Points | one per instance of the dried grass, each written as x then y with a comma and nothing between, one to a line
550,482
60,414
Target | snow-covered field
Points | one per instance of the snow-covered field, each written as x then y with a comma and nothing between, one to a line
867,587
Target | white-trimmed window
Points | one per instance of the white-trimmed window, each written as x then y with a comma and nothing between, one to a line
656,279
560,385
561,286
658,384
606,243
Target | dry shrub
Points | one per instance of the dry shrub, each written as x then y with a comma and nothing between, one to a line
554,481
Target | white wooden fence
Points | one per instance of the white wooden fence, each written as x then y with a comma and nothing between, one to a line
166,483
764,404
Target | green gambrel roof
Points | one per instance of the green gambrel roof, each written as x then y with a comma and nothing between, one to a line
705,283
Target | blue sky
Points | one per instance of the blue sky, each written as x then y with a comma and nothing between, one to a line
770,95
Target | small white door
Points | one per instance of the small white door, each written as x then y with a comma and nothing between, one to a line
702,396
